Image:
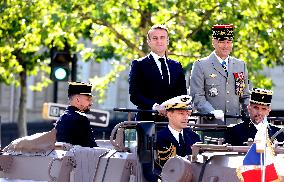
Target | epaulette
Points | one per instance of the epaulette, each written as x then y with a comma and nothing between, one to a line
81,113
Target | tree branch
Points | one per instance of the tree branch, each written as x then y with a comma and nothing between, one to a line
121,37
205,17
182,55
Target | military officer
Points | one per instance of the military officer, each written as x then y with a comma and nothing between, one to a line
176,138
219,82
73,126
258,109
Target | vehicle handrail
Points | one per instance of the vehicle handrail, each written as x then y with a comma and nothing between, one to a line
192,114
118,142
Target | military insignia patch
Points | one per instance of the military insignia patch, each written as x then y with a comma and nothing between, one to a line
213,92
239,83
212,75
185,99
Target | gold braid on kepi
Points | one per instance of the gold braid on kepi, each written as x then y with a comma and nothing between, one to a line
179,102
79,88
261,96
223,32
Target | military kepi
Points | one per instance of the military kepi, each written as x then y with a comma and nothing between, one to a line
179,102
261,96
79,88
223,32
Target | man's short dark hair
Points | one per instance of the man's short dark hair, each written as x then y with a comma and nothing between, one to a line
155,27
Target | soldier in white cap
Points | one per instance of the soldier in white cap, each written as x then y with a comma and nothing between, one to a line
176,138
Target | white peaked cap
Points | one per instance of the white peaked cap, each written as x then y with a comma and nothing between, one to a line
179,102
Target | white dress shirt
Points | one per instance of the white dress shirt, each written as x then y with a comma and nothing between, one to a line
158,63
221,60
175,133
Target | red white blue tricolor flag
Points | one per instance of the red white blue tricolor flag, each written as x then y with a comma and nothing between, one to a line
258,163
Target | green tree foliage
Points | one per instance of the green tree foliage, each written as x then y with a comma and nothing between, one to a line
21,48
117,30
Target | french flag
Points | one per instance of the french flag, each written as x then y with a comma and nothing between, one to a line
251,169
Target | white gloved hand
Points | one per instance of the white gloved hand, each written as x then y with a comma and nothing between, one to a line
218,114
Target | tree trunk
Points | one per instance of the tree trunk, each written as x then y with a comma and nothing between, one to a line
145,23
22,117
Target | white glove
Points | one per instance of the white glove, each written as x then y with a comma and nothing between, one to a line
218,114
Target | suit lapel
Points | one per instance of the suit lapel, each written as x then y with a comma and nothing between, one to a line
216,65
153,69
187,138
231,65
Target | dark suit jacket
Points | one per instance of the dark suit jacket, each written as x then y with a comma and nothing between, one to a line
147,88
74,127
238,134
165,141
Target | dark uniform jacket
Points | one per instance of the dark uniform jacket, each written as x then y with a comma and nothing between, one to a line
146,86
74,127
238,134
168,146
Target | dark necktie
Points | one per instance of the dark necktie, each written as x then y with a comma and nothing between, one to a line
224,65
164,70
182,145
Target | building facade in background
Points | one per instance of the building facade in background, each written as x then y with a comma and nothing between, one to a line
9,95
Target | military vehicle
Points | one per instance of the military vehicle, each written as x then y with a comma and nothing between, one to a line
37,158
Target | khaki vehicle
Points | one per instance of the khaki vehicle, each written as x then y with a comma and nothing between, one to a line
37,158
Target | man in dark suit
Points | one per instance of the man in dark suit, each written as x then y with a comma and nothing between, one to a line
176,138
258,109
155,78
73,126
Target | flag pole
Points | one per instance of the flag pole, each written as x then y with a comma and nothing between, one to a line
264,151
262,167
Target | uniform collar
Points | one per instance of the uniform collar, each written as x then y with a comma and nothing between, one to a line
175,133
257,126
220,59
73,108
